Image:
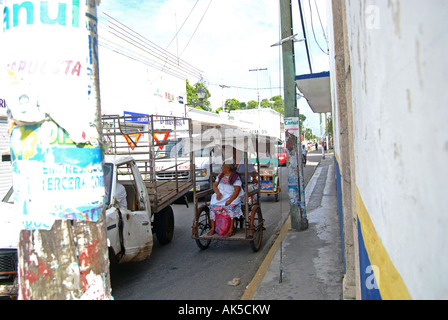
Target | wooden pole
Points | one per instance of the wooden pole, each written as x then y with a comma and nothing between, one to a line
295,172
54,111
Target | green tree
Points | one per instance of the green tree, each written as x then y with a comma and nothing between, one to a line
279,104
252,104
193,99
232,104
302,119
265,103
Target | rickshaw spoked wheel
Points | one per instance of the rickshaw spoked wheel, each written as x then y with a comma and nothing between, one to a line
203,226
256,228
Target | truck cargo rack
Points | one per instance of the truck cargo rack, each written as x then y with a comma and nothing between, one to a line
152,140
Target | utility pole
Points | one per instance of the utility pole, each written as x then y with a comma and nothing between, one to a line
258,86
52,89
296,190
222,96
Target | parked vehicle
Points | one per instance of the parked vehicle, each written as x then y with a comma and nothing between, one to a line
137,150
281,155
9,241
269,177
167,167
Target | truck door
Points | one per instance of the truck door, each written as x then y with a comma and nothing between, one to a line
134,214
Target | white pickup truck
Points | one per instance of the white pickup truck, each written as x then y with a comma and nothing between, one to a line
133,160
165,169
130,227
9,240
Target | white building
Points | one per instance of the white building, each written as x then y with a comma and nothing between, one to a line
260,121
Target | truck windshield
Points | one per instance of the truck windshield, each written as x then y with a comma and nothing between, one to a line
108,174
204,152
170,151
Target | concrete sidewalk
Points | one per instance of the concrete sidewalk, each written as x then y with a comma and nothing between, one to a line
306,265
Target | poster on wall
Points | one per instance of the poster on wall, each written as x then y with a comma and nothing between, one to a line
47,67
48,71
54,178
292,137
292,126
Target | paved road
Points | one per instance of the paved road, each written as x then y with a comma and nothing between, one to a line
180,270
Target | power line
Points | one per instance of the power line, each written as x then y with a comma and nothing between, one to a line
321,24
141,49
243,88
175,36
312,27
125,33
196,27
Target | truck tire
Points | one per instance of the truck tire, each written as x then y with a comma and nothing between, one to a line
164,225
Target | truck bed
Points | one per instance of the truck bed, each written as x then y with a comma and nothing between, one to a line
165,192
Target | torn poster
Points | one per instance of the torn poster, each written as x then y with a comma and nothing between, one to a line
49,78
53,177
48,66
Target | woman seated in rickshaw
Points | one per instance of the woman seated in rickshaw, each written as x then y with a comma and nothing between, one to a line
225,204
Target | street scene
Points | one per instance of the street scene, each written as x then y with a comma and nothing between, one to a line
237,150
205,274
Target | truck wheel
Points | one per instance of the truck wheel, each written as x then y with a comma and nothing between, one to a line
164,225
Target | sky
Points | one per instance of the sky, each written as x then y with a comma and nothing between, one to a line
225,39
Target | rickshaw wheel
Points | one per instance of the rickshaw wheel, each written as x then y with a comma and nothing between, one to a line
203,226
256,224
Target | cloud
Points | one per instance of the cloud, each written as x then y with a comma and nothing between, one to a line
232,37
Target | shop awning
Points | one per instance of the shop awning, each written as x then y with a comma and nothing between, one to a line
316,89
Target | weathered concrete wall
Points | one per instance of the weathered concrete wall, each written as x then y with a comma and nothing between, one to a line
399,171
342,122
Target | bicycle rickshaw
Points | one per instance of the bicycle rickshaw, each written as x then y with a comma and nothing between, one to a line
269,177
223,142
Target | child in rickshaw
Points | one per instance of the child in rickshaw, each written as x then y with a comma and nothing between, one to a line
225,203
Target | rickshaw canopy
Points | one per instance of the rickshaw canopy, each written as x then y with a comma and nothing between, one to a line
235,138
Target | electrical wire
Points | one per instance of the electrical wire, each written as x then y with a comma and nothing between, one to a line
200,21
280,58
321,24
133,38
177,32
312,28
124,40
245,88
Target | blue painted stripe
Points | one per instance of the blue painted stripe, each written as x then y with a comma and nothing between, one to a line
313,75
368,290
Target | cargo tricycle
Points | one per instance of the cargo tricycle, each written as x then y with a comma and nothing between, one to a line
269,177
224,143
